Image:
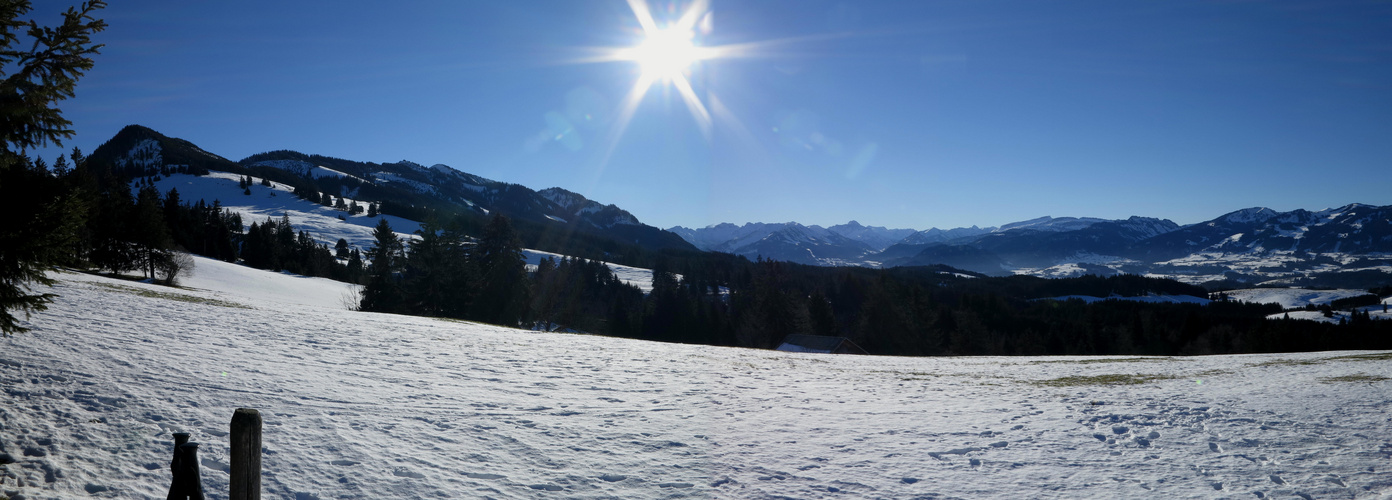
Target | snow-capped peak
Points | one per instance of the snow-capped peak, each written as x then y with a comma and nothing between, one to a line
1249,215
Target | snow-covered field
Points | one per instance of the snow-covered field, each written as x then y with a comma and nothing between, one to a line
635,276
322,222
1292,298
361,405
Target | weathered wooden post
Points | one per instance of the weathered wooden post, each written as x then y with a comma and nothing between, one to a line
187,483
246,455
179,438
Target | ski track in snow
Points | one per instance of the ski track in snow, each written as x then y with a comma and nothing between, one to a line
361,405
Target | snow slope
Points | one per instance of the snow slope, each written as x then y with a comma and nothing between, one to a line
635,276
1291,298
238,283
361,405
323,223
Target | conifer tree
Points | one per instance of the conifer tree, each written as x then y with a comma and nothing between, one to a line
341,249
45,217
433,274
822,318
149,231
503,289
382,292
354,270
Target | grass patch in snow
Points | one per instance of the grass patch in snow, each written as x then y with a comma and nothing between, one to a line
171,296
1213,373
1379,356
1357,377
1108,379
910,376
1101,360
1288,362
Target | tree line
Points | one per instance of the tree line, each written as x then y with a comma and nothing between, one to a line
717,299
726,300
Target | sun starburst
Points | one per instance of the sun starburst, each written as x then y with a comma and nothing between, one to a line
667,54
672,54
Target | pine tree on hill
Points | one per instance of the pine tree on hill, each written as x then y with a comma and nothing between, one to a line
383,292
434,274
354,270
150,232
503,296
341,249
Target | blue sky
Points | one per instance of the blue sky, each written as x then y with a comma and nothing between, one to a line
904,114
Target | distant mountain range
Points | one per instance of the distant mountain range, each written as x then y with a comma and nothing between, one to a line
1349,246
1345,246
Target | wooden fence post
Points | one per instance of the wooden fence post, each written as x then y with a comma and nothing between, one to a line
246,455
179,438
187,483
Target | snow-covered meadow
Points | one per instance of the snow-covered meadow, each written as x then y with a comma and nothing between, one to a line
361,405
1292,298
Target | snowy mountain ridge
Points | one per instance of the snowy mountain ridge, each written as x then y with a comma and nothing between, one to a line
404,187
1344,246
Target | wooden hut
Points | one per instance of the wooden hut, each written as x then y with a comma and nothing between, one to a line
820,343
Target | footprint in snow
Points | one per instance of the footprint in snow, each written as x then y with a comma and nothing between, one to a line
1277,479
477,475
1215,447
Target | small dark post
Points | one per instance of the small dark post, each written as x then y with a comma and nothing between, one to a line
179,438
246,455
187,483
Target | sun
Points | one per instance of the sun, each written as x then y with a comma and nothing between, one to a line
666,54
672,55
